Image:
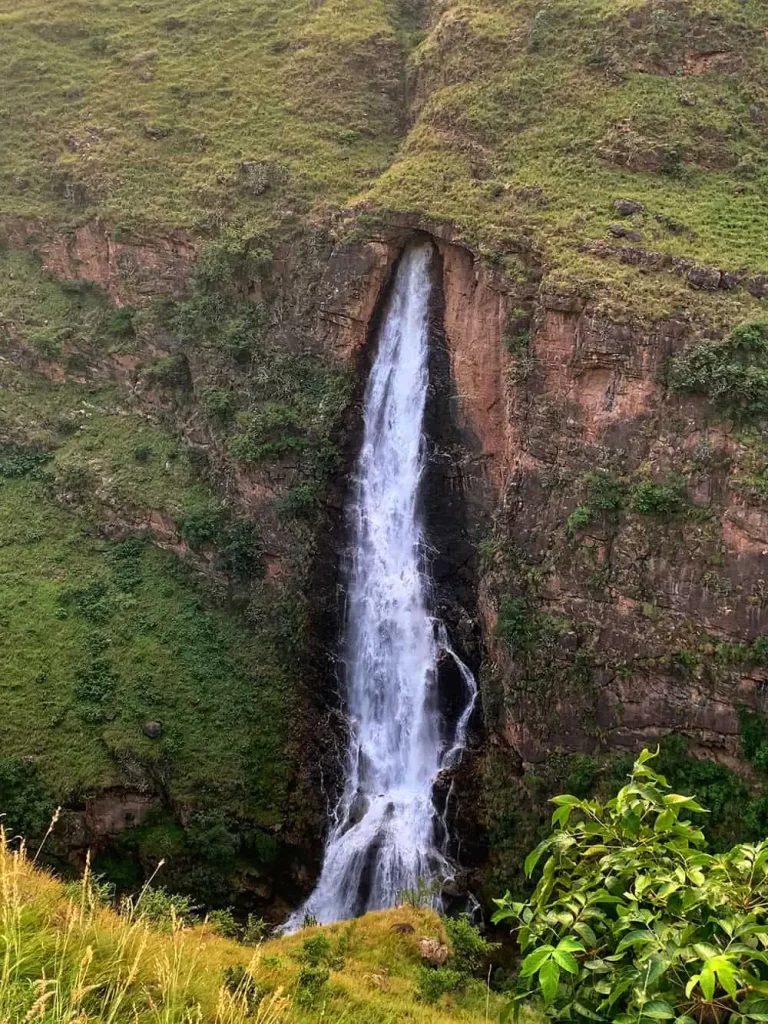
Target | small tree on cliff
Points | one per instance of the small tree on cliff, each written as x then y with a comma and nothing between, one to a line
632,921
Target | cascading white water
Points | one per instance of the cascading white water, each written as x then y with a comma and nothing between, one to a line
382,837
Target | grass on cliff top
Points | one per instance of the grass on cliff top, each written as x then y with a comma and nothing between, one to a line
537,117
62,960
145,113
526,120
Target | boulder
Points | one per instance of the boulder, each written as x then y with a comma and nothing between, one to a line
433,952
626,207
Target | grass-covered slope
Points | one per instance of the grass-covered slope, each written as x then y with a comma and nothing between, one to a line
65,957
131,597
169,114
520,122
535,117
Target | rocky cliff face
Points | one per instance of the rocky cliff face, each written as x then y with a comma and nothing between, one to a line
601,552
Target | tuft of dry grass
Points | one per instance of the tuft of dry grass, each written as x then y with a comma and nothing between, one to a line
74,962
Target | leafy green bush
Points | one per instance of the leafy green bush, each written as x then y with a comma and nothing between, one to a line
301,502
433,983
165,910
120,323
169,372
310,984
316,950
733,374
469,950
524,629
661,500
220,403
199,522
632,921
26,807
239,981
18,461
579,519
223,923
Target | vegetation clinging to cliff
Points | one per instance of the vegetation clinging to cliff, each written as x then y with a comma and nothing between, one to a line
732,374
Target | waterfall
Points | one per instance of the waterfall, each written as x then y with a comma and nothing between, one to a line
382,838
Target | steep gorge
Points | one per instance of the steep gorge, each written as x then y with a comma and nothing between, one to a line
186,364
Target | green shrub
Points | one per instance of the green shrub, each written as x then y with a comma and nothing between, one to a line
120,323
434,982
239,981
301,502
231,260
732,374
310,984
660,500
525,630
90,891
579,519
26,807
605,494
272,432
164,910
169,372
316,950
469,950
240,549
632,921
198,523
223,923
18,461
220,403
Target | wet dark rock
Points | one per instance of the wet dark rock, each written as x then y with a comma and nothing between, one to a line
704,278
619,231
626,207
729,280
358,809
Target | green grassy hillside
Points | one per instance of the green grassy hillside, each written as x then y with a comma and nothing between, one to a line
519,122
64,956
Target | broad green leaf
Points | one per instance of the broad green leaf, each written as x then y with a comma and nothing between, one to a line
634,938
566,798
566,960
665,821
646,755
587,934
658,1009
570,945
707,982
667,889
534,960
727,979
584,1011
653,970
704,950
549,979
561,816
534,856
